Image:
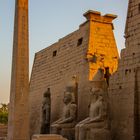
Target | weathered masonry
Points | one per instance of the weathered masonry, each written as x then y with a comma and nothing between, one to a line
125,83
18,121
80,53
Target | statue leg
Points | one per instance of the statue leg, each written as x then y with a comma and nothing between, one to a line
82,132
77,132
55,129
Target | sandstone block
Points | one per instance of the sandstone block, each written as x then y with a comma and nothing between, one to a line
100,134
68,133
48,137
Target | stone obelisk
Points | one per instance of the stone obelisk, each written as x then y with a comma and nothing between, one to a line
18,124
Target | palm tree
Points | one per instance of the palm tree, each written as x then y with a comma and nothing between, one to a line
4,108
4,113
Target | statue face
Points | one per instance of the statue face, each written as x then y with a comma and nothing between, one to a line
100,96
67,98
94,91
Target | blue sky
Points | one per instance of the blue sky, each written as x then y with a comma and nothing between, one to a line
50,20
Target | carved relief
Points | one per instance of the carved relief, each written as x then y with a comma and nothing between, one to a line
46,108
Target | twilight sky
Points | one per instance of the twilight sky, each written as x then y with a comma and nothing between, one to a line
50,20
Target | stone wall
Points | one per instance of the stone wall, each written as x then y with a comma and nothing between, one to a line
48,137
56,71
122,106
102,44
3,131
55,65
124,87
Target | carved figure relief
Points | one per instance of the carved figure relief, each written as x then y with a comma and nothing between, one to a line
46,107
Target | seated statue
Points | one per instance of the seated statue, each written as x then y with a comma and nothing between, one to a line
68,117
97,115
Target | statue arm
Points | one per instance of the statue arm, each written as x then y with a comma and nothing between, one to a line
67,120
84,121
59,120
72,116
44,105
97,118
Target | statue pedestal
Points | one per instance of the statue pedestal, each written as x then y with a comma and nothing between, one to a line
48,137
68,133
99,134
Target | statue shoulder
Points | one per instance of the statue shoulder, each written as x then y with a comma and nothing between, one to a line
100,103
73,106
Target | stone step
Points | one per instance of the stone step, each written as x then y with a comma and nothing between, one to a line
48,137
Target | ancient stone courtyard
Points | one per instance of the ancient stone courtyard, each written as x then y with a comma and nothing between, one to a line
79,87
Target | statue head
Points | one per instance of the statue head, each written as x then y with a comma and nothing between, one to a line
74,77
67,97
94,90
97,93
71,85
100,94
47,93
